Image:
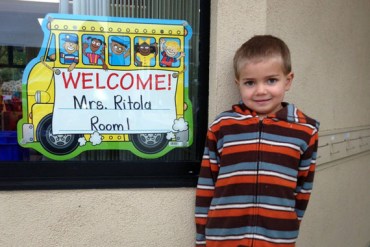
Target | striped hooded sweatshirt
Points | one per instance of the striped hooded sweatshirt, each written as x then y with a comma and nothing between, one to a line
256,178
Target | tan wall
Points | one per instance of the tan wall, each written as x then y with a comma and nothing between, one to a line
330,44
109,218
331,57
338,212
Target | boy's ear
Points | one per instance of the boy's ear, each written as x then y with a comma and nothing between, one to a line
289,80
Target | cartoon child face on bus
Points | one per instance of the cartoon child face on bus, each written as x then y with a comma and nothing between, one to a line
119,51
69,51
70,46
97,48
145,51
170,53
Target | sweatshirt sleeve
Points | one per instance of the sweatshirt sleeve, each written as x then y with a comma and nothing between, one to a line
306,175
206,185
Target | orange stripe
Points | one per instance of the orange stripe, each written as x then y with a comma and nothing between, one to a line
245,242
204,193
263,147
252,211
299,127
302,117
312,168
229,243
304,196
207,165
279,149
253,178
277,214
214,168
277,181
232,121
314,139
240,148
303,173
201,221
261,243
211,136
235,180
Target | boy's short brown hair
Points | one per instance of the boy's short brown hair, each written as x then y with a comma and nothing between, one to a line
260,47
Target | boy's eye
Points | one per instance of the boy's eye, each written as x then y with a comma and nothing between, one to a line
249,83
272,81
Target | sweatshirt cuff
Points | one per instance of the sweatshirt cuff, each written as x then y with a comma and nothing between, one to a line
200,240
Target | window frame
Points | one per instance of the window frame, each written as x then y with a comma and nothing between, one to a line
24,175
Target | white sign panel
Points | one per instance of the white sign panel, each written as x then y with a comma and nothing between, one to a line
114,101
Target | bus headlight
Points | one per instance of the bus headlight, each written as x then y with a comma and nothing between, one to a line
42,97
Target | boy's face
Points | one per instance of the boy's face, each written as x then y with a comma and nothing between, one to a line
263,84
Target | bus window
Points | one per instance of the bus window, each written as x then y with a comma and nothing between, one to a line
170,52
68,49
146,49
119,50
93,50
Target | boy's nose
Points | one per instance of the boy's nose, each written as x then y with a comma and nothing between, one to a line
260,88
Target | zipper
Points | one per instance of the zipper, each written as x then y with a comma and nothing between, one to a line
260,125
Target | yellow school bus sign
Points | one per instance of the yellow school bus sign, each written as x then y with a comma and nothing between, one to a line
105,83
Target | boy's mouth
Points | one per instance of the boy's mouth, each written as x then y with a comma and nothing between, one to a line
261,100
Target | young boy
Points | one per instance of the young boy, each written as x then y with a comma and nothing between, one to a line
259,161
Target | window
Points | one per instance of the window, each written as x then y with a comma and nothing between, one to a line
119,50
153,158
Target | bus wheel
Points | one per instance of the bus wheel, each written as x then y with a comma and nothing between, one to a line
150,143
55,144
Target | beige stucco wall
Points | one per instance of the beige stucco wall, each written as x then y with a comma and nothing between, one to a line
330,46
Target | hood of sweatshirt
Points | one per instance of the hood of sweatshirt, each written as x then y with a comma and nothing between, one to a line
288,113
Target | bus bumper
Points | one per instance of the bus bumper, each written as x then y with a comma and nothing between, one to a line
28,135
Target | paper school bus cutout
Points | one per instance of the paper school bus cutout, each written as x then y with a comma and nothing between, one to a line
107,83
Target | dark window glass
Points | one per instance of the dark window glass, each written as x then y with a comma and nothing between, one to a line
21,41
